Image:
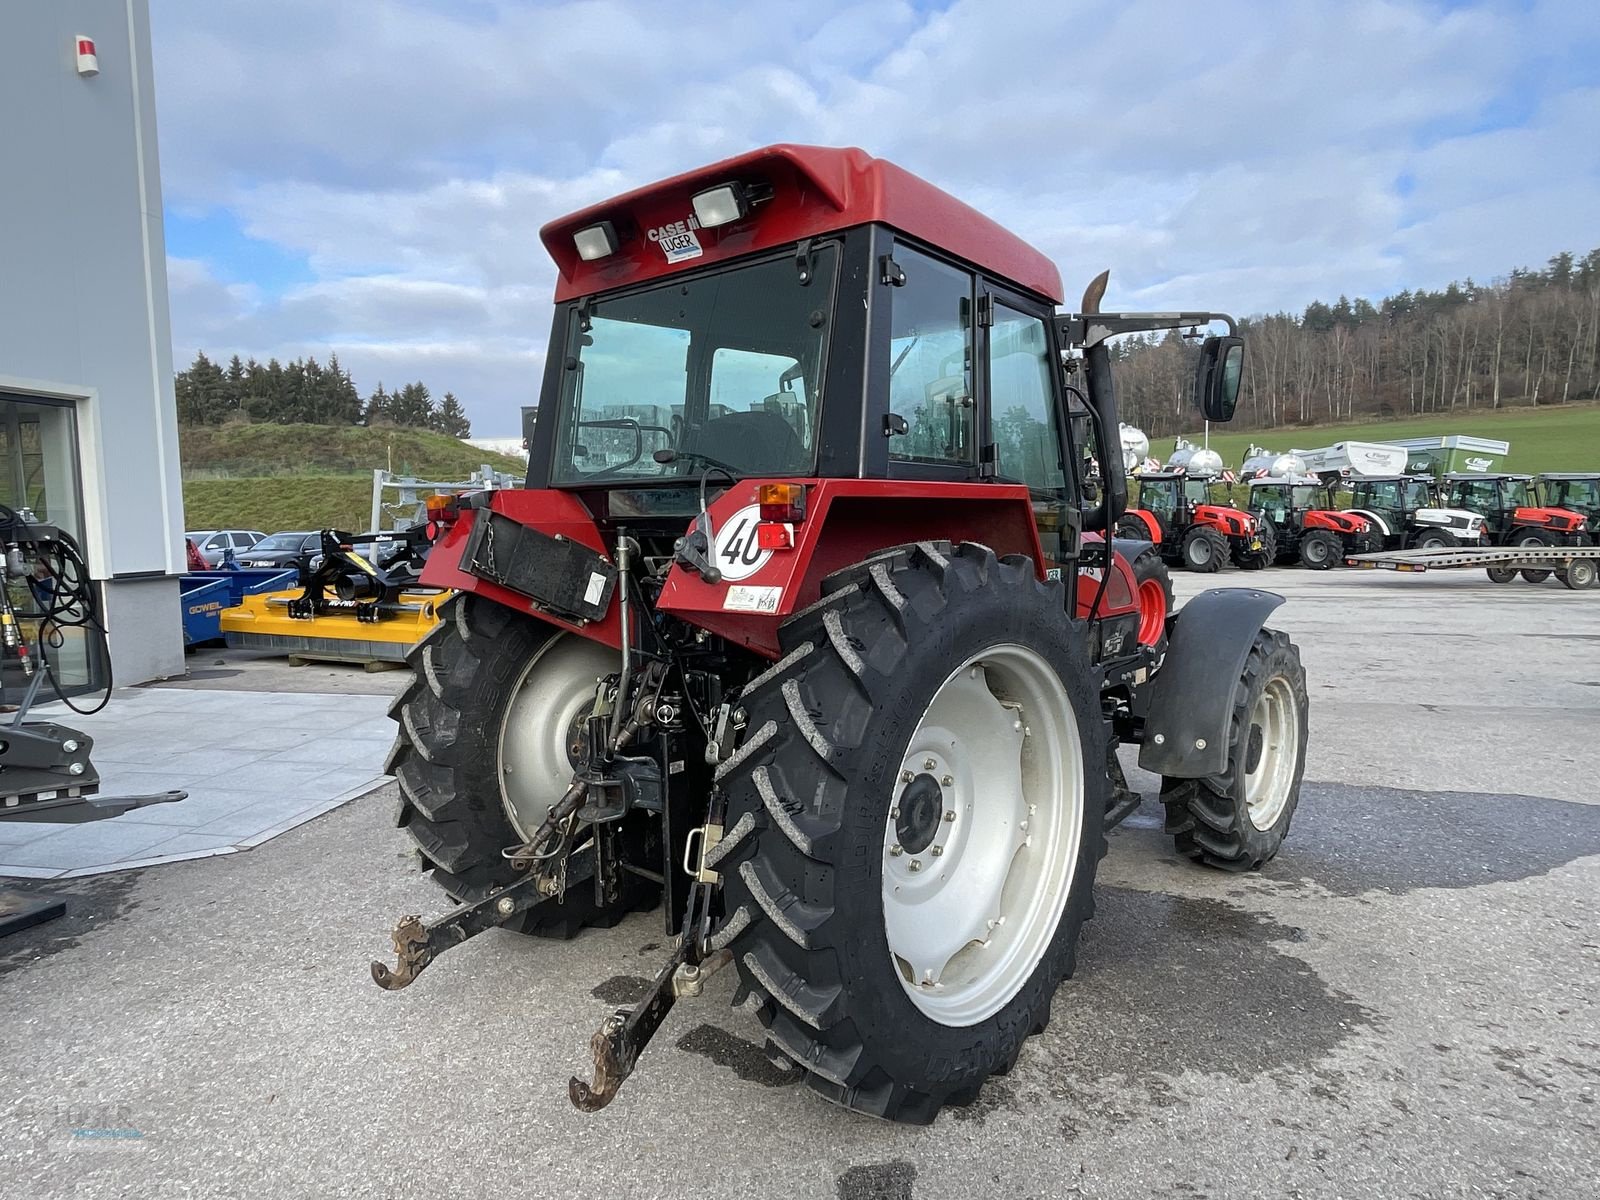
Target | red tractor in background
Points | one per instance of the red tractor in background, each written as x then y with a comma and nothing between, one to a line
1512,513
1177,515
1306,529
805,630
1573,491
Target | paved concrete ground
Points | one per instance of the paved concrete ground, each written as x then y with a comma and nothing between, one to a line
254,763
1403,1004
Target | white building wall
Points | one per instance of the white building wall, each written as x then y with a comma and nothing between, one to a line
83,297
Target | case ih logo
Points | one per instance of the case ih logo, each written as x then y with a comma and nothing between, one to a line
677,239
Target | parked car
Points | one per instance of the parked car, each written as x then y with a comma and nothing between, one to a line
283,549
214,544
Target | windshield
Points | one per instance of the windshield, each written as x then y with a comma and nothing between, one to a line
280,541
1307,496
727,365
1580,494
1417,495
1517,494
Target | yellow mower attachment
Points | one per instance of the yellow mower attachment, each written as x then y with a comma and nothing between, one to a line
262,622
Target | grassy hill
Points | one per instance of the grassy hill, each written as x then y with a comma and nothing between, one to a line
1565,438
274,477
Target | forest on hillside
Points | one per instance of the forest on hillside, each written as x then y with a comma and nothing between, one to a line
1531,338
306,392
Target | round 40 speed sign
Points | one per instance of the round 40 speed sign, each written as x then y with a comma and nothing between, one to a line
735,552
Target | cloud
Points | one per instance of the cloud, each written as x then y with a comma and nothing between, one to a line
407,153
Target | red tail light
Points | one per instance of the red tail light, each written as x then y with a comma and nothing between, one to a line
774,535
784,503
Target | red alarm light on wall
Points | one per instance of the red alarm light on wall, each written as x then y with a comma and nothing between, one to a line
88,62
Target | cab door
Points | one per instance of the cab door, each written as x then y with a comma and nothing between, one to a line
1025,422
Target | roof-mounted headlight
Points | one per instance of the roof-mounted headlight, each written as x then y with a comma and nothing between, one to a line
721,205
596,241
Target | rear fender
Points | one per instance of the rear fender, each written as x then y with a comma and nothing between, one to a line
558,514
1187,725
847,520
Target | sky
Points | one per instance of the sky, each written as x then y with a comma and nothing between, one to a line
370,177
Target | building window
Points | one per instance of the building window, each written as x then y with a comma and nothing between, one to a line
39,478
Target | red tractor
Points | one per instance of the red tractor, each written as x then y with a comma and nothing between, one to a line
1512,513
1573,491
1176,514
1304,529
804,630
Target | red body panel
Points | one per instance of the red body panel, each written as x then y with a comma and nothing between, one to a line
1224,520
550,512
1122,592
1549,518
846,521
1336,521
815,190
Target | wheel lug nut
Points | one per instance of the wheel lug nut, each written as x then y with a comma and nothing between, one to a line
906,776
894,813
947,781
937,851
928,764
949,814
915,864
896,850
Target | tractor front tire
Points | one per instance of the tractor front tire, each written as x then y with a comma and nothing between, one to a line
1204,550
904,884
1153,589
1133,529
450,756
1434,539
1256,560
1237,820
1320,550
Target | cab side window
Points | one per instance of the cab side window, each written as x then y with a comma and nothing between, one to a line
1021,401
930,362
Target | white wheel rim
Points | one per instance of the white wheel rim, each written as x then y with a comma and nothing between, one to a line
533,762
1266,788
971,911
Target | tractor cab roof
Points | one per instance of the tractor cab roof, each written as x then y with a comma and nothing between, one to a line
1163,475
768,198
1579,475
1469,476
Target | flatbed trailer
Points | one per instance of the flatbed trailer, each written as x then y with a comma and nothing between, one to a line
1577,567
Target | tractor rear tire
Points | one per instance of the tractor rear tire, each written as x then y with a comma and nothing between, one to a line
837,894
1321,550
1204,550
1434,539
1237,820
1133,529
467,674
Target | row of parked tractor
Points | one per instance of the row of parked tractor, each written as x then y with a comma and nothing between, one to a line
1192,513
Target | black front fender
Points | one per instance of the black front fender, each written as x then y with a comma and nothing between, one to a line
1186,726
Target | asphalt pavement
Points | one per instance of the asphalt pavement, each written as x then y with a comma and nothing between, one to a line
1402,1004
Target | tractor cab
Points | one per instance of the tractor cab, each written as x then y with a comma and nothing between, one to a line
1513,515
1575,492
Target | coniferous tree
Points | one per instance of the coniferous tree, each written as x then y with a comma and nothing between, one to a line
451,418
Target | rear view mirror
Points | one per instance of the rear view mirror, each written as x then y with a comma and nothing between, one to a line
1216,377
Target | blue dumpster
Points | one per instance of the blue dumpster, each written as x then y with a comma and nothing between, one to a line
206,593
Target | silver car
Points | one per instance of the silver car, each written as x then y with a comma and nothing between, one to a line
214,544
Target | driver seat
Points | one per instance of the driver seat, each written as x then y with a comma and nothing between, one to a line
757,443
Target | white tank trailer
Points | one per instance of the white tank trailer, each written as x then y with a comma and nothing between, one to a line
1261,463
1182,450
1204,462
1135,447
